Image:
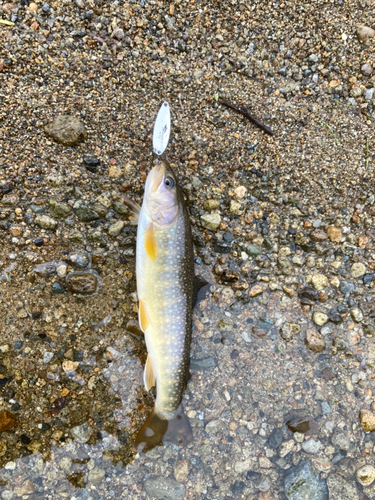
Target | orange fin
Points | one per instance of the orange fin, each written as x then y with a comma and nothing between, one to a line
148,376
157,430
143,322
150,241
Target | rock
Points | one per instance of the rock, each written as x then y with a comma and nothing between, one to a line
275,438
211,221
214,426
82,433
334,234
57,288
80,259
367,420
288,330
289,291
211,204
341,489
286,448
96,475
284,265
255,291
48,268
340,441
302,483
357,270
7,421
164,488
118,33
58,209
47,356
366,475
66,130
86,214
356,314
27,487
319,281
367,278
347,287
314,341
116,228
369,94
114,172
10,200
240,192
236,207
312,446
253,250
320,318
366,69
46,222
84,283
202,364
91,162
365,33
318,235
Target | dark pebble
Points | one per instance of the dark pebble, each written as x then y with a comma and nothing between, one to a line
5,188
25,439
367,278
237,487
91,162
228,237
222,247
36,315
39,242
275,438
57,288
18,345
293,232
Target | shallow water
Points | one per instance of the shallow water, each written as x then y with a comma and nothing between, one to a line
246,382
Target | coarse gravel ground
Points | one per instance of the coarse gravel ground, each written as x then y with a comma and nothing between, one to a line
282,394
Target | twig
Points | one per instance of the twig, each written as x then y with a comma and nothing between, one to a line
250,117
7,23
330,129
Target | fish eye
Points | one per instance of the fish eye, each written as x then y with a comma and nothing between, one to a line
169,183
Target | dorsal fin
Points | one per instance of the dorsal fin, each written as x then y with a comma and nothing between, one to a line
148,375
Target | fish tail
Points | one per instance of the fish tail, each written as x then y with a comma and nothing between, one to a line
160,427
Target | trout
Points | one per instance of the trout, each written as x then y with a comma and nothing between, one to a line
165,288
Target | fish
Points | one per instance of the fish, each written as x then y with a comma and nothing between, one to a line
166,294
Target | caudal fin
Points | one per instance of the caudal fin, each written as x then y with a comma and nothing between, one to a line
157,430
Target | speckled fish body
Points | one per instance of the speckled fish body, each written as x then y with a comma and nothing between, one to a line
165,272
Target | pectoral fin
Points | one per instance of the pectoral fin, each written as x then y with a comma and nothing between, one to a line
134,208
143,322
148,376
150,241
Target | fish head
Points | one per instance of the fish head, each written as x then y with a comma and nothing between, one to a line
162,195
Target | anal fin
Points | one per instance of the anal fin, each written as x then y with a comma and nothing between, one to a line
148,376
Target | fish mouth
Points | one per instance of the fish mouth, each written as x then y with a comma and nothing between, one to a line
157,177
